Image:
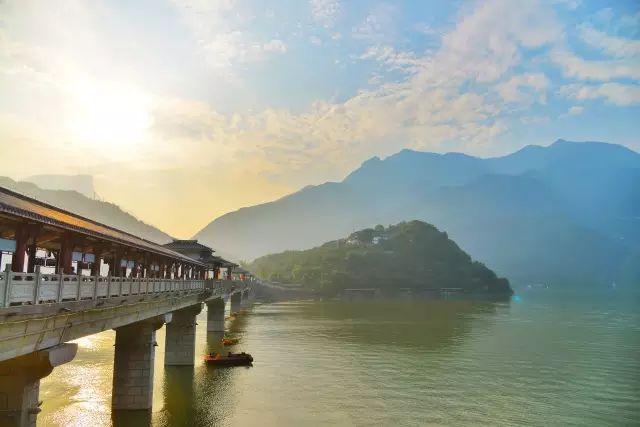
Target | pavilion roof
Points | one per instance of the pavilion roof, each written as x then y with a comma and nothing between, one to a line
32,210
178,245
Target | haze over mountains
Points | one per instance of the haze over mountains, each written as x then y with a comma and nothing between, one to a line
83,184
564,214
73,201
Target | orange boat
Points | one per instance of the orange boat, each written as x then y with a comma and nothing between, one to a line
230,341
231,359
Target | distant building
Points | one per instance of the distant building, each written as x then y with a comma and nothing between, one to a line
204,254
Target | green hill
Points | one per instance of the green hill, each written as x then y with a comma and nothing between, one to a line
413,255
567,214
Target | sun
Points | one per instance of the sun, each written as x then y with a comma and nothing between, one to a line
108,114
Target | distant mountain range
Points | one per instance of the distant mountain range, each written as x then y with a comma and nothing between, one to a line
567,214
83,184
104,212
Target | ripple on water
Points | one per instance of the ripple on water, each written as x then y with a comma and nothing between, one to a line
537,363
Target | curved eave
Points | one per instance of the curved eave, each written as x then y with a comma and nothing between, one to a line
10,204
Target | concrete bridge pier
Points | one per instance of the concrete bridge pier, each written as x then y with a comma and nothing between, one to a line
236,302
20,383
133,364
245,302
180,344
215,315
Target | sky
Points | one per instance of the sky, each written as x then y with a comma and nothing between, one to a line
183,110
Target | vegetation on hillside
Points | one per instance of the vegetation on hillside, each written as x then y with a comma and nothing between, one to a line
413,255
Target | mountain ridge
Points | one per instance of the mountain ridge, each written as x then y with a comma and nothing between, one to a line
580,191
96,210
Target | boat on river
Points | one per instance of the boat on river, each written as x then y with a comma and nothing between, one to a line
230,340
231,359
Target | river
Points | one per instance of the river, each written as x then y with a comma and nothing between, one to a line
540,360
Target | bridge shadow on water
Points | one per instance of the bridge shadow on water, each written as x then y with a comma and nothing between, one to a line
192,395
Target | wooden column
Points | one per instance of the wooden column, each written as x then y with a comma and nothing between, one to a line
66,256
31,262
21,237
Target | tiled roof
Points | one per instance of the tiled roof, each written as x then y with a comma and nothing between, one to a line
187,244
18,205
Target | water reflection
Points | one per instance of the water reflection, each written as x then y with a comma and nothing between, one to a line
429,324
178,389
131,418
410,362
214,342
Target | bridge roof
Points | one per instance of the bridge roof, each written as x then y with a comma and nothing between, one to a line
32,210
178,245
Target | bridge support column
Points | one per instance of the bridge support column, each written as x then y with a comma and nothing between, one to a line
20,383
246,299
215,315
236,302
180,345
133,364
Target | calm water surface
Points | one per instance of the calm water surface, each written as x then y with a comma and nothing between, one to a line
546,360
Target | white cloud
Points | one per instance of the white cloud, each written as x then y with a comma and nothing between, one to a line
524,88
614,93
575,110
531,120
215,29
485,45
275,45
603,70
378,25
615,46
325,11
315,40
393,59
447,100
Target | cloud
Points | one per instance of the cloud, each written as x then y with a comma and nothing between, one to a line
614,93
275,45
378,25
220,36
325,11
391,58
619,47
524,88
315,40
454,98
575,110
620,56
484,45
531,120
603,70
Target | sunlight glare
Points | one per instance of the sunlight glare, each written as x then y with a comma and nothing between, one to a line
109,115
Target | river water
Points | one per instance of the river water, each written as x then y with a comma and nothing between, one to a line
539,360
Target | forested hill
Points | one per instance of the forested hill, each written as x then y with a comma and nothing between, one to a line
413,255
567,214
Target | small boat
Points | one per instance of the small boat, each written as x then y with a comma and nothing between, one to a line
231,359
230,341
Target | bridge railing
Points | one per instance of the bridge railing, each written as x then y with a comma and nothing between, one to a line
226,286
37,288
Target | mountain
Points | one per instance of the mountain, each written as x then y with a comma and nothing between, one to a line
104,212
410,255
83,184
566,214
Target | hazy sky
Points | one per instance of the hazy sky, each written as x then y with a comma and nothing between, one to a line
184,110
